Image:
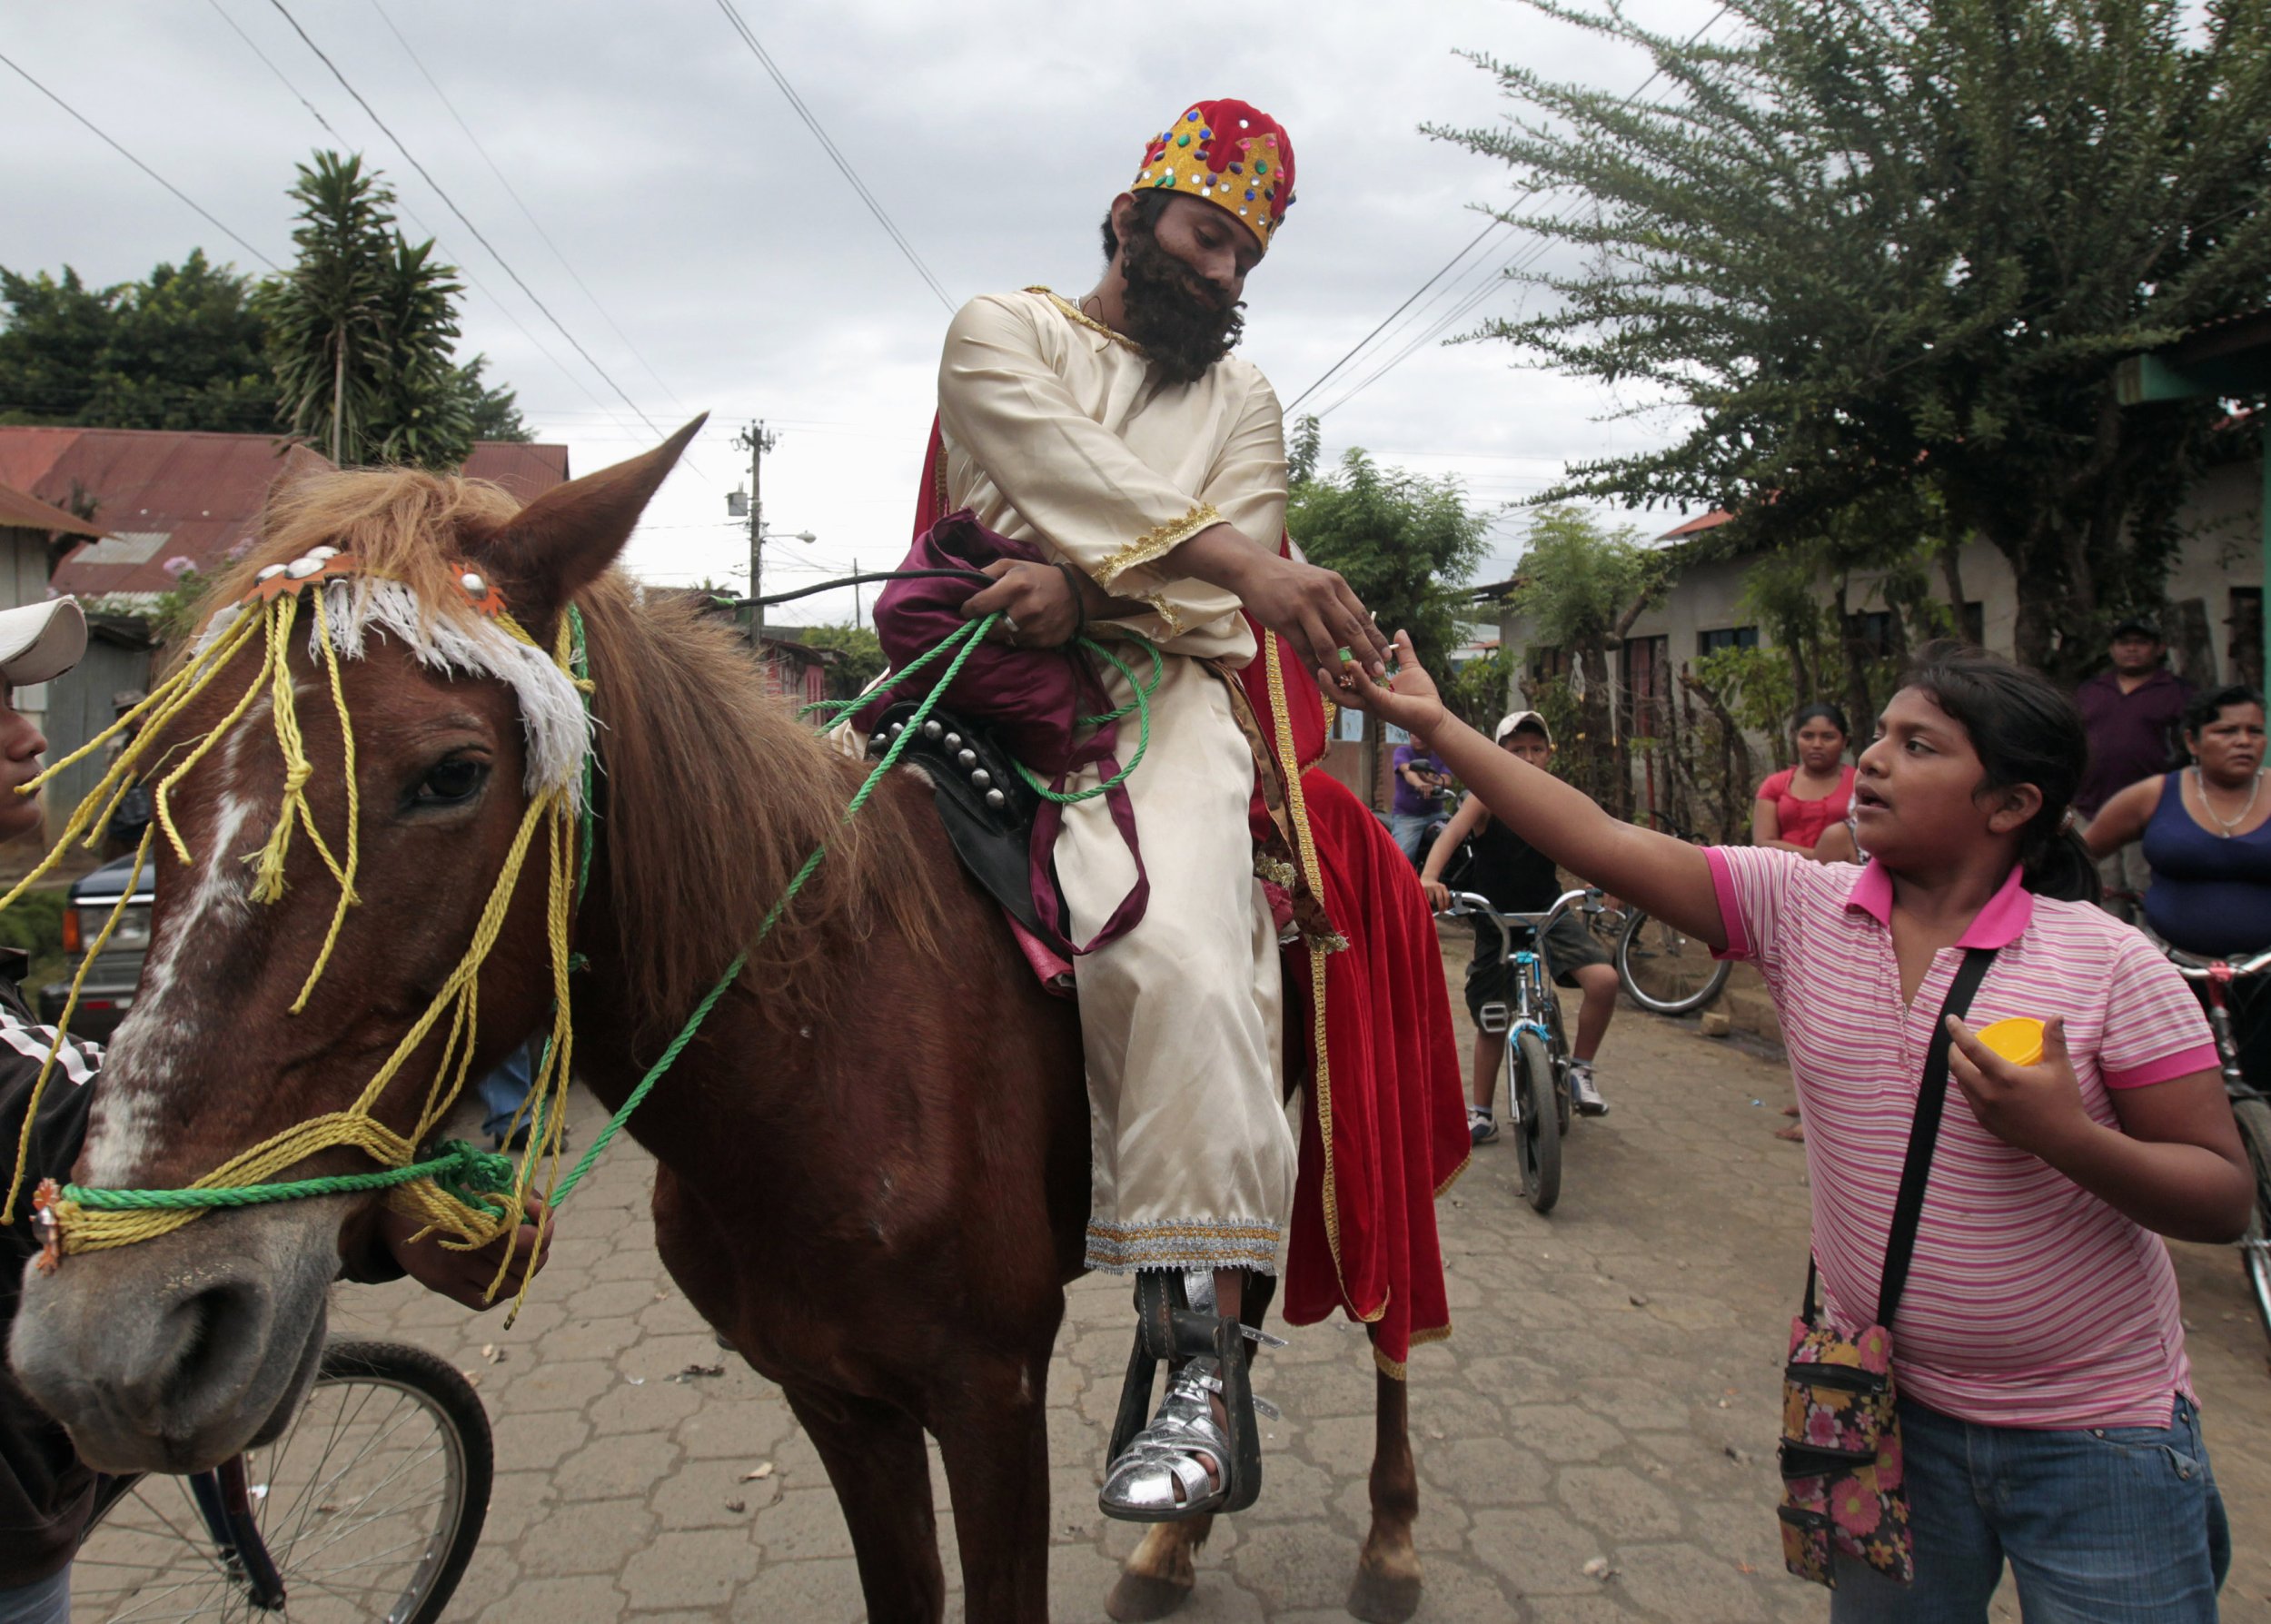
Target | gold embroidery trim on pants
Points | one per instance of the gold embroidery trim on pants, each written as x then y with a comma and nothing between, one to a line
1183,1243
1157,542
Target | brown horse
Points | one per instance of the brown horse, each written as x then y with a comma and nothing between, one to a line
872,1162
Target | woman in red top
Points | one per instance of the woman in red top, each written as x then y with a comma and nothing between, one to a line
1796,804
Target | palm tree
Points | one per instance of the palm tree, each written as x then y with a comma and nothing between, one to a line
363,330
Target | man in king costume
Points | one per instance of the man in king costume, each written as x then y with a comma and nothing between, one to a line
1119,435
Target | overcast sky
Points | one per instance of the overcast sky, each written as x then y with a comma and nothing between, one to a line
709,256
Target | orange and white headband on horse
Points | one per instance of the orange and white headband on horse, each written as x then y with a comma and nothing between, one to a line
489,643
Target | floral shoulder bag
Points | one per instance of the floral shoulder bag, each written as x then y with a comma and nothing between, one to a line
1841,1451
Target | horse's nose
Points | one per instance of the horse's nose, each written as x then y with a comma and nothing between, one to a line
200,1349
173,1353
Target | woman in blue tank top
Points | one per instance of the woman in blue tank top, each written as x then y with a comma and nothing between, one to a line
2207,830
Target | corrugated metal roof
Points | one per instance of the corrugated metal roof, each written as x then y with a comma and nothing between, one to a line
165,494
1697,526
28,512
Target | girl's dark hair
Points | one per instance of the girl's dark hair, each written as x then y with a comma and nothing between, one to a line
2206,708
2024,731
1827,712
1149,206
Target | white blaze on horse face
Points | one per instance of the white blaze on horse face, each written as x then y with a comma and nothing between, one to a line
166,1025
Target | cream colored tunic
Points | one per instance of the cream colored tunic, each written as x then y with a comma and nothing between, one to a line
1057,433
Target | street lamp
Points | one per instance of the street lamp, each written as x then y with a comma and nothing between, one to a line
762,533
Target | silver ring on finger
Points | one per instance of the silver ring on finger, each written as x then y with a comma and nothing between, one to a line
1009,623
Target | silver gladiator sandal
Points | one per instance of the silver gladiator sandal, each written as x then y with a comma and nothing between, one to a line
1159,1470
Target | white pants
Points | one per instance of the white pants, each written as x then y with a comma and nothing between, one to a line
1181,1019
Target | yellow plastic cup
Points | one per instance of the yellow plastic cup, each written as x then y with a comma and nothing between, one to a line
2018,1039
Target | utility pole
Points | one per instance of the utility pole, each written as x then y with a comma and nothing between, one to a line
756,440
855,594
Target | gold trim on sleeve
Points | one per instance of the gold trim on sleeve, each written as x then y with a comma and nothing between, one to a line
1157,543
1169,616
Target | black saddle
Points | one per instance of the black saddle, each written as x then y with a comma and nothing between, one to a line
983,800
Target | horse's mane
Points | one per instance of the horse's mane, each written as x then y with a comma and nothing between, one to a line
715,793
712,793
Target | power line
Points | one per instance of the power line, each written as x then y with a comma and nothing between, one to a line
24,75
842,163
1528,193
273,68
451,204
1393,314
510,314
525,211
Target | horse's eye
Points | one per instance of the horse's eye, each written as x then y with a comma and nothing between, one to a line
451,782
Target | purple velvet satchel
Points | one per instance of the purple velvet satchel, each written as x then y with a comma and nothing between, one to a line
1033,698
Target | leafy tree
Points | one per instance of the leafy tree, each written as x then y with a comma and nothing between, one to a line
860,656
494,409
1476,691
363,331
1581,586
1405,544
1879,244
181,350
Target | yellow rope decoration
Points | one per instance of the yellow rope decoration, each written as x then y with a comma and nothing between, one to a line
63,1025
347,898
468,1224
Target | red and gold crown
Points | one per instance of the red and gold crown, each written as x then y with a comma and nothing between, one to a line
1230,154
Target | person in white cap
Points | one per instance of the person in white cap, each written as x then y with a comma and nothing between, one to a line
46,1492
1517,878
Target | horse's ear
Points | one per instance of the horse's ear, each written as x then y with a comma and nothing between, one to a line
564,539
301,461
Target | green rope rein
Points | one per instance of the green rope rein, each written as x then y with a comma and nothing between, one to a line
474,1176
1140,702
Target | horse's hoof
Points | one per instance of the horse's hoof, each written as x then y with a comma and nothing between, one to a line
1141,1596
1380,1597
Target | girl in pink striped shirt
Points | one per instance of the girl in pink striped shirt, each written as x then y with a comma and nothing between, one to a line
2046,1405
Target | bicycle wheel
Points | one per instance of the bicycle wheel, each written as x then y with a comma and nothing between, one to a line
1557,1045
1665,970
370,1504
1539,1139
2255,1247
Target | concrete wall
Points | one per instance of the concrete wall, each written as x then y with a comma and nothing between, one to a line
2221,552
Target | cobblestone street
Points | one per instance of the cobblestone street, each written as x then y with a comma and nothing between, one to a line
1610,1392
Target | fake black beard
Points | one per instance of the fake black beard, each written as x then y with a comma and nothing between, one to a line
1173,312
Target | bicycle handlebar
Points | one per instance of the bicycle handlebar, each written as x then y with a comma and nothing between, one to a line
1465,904
2192,968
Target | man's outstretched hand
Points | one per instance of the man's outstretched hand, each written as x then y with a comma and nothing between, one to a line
1312,608
1409,700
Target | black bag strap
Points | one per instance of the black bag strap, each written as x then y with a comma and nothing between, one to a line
1909,1206
1931,1098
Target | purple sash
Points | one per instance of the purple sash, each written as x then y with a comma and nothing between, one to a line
1033,698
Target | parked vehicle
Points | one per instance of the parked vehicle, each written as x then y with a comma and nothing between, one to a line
108,992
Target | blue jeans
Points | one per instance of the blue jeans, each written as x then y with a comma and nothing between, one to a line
46,1602
1407,827
502,1090
2104,1525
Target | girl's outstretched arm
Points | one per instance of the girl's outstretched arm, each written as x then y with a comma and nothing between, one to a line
1668,877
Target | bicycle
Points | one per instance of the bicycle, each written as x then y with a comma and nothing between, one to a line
1537,1052
2250,1110
1663,969
368,1506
